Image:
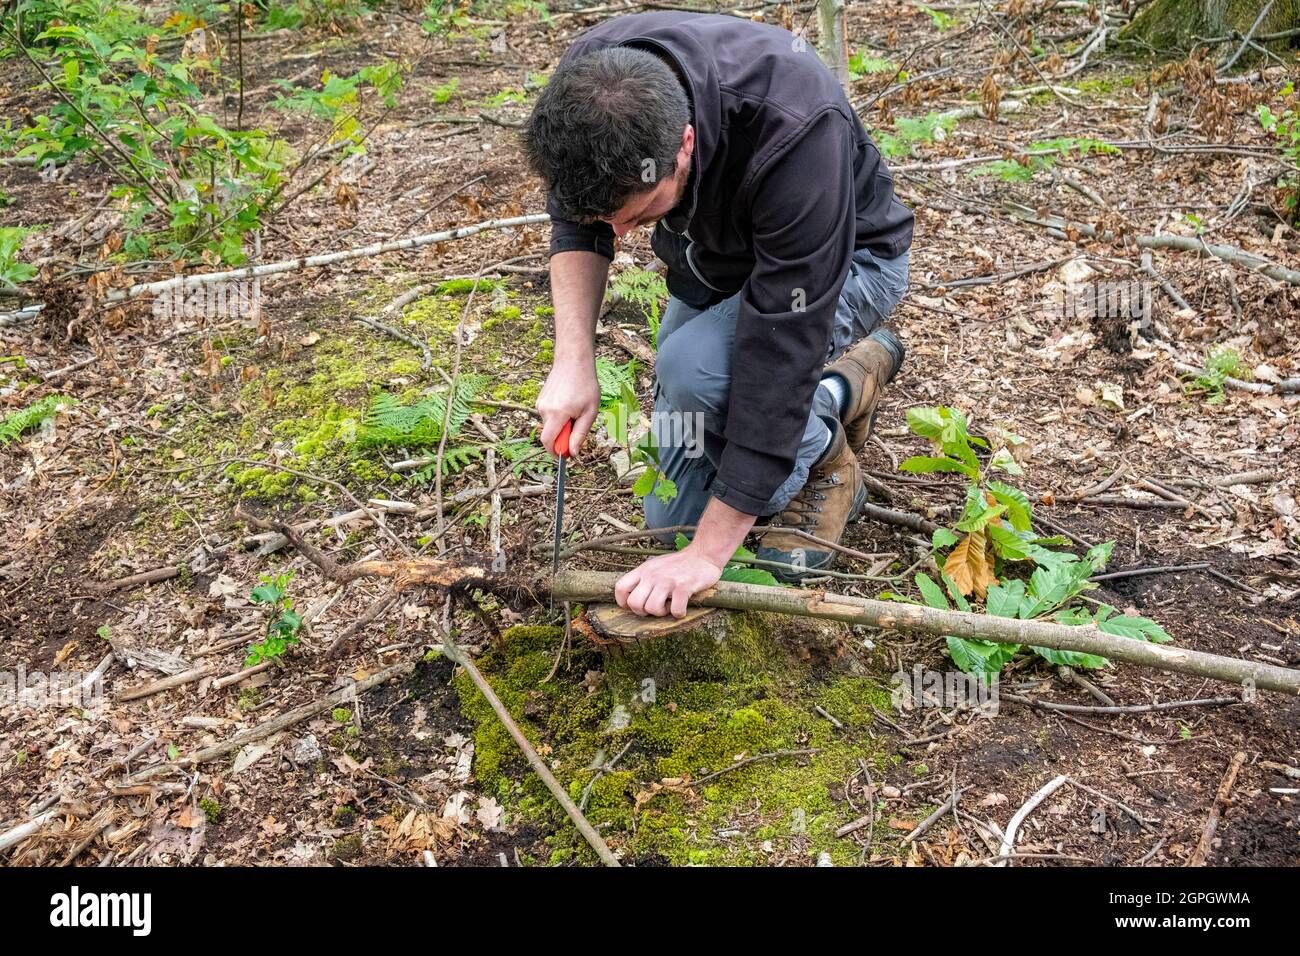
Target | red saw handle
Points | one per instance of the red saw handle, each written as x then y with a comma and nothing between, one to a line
562,440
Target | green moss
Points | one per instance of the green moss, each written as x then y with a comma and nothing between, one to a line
348,847
433,316
463,286
211,809
1105,84
405,367
1165,27
340,715
850,700
691,705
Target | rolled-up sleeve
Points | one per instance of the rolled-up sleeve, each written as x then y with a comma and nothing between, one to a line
570,236
803,245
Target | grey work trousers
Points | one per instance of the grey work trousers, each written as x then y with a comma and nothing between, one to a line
693,380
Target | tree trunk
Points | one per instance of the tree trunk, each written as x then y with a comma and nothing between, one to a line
834,47
1175,25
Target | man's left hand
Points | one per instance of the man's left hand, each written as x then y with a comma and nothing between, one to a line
664,584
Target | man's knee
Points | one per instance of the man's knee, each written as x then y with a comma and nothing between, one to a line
694,371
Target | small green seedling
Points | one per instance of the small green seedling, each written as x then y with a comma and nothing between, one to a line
284,624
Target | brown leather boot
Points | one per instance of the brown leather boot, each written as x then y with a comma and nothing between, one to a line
829,500
867,368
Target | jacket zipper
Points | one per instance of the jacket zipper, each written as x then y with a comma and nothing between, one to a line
691,262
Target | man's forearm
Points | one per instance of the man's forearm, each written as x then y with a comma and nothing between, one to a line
721,531
577,291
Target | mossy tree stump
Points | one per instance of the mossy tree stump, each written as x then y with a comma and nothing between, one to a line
674,711
1170,26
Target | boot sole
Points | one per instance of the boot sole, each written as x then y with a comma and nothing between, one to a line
894,346
859,502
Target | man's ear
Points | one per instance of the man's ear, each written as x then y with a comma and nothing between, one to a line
688,143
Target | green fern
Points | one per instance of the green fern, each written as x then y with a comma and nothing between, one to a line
1042,156
520,452
646,289
453,460
390,424
35,415
908,132
612,377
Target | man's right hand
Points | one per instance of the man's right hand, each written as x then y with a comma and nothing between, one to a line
572,392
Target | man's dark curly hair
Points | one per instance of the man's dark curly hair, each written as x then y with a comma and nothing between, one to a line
598,121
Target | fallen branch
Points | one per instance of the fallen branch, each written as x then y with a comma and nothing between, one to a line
599,586
1259,477
588,832
1221,800
1007,851
1122,502
167,683
1245,41
265,729
1142,572
1289,386
934,818
588,586
145,577
1099,487
378,607
902,519
21,832
1231,254
323,259
1122,709
774,755
241,675
411,340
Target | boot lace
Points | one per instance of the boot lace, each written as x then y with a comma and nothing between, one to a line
803,510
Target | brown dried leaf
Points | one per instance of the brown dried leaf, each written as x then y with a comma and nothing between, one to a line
969,566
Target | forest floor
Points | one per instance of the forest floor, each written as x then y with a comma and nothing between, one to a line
178,422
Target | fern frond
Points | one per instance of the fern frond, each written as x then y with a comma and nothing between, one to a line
389,423
33,416
612,377
520,452
641,287
453,460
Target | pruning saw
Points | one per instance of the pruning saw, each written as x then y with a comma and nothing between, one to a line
562,451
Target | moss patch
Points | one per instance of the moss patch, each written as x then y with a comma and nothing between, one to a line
680,709
305,405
